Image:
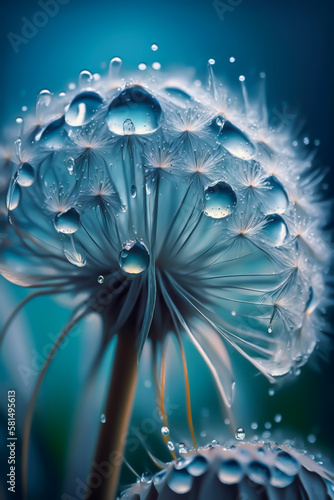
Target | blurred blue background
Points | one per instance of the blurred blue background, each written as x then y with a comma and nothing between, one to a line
291,41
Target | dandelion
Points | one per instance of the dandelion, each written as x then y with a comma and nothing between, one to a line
159,211
250,470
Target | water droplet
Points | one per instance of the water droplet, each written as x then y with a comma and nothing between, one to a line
70,165
219,200
258,472
137,105
25,175
103,418
230,472
287,463
128,127
240,434
233,313
142,66
170,446
100,279
42,103
134,257
275,230
212,62
280,479
234,140
85,79
154,47
14,196
254,426
74,251
54,135
165,431
183,450
83,108
115,67
276,199
67,222
214,443
180,481
306,141
242,78
311,438
270,330
267,425
133,191
278,418
271,392
220,120
198,466
146,478
156,65
232,59
18,147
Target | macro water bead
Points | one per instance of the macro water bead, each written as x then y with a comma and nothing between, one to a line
168,208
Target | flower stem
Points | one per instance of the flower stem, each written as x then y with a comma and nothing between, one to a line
111,442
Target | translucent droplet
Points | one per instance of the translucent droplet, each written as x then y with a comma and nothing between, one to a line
115,67
146,478
220,120
258,472
235,141
128,127
83,108
156,65
198,466
42,103
219,200
276,199
240,434
137,105
103,418
54,135
142,66
287,463
271,392
214,443
170,446
67,222
14,196
180,481
254,426
100,279
275,230
70,165
154,47
85,79
212,62
278,418
232,59
311,438
74,251
25,175
183,450
230,472
165,431
134,257
270,330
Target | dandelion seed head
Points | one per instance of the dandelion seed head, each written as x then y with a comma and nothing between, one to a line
187,201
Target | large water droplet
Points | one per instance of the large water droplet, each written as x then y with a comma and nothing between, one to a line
198,466
276,199
233,139
54,135
258,472
180,481
240,434
83,108
137,105
275,230
230,472
219,200
287,463
134,257
14,196
165,431
67,222
25,175
74,251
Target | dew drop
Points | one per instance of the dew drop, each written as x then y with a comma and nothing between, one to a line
170,446
230,472
254,426
146,478
137,105
212,62
134,257
234,140
180,481
70,165
198,466
165,431
85,79
183,450
128,127
311,438
103,418
54,135
240,434
142,66
219,200
156,65
115,67
232,59
271,392
67,222
83,108
278,418
14,196
154,47
25,175
43,101
100,279
276,199
275,230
